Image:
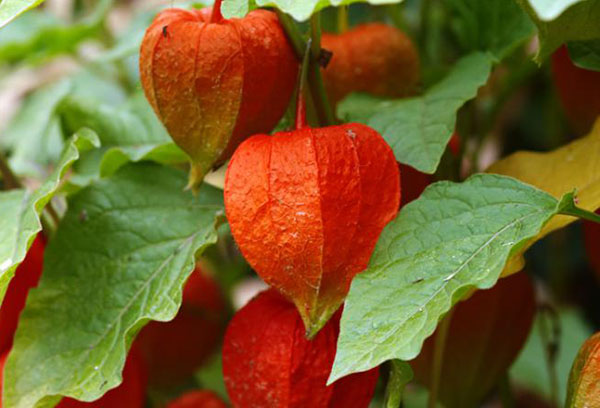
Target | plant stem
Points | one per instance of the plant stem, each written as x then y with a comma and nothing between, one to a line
315,79
575,211
438,358
293,34
300,121
216,16
342,19
551,339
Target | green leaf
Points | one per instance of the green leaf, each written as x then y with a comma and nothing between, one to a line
34,136
119,257
128,133
560,21
299,10
400,375
455,237
31,136
131,124
10,9
418,129
495,26
36,35
585,54
128,43
21,210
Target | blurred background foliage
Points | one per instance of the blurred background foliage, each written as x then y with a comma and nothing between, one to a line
73,63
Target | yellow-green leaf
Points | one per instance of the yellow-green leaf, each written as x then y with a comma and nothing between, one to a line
575,166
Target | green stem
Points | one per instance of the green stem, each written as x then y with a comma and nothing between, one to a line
438,359
293,34
315,79
315,34
575,211
8,177
342,19
550,338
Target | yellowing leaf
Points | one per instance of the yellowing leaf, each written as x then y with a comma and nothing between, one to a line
575,166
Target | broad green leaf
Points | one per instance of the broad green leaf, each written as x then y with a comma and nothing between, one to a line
560,21
400,375
299,10
116,157
10,9
455,237
531,370
575,166
131,124
34,136
119,258
585,54
128,133
418,129
18,38
36,35
495,26
21,210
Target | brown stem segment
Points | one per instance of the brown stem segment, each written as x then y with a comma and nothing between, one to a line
216,16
